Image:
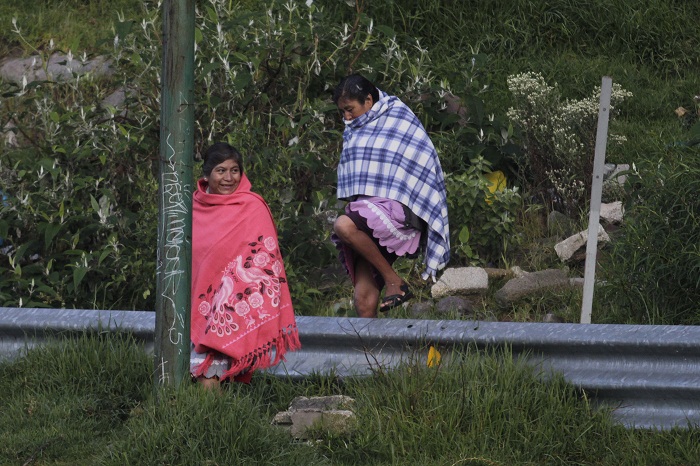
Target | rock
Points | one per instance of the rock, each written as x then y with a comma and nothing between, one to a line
283,418
454,304
60,68
518,272
335,421
560,224
115,99
566,249
533,283
611,173
496,274
576,282
342,306
321,402
421,308
452,105
460,280
10,134
329,413
612,213
552,318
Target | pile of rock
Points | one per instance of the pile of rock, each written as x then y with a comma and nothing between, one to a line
463,289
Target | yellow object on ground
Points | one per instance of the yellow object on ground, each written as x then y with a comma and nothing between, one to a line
434,357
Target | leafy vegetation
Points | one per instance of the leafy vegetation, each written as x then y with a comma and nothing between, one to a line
559,139
290,134
80,208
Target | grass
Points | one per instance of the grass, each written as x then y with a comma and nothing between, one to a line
75,25
648,47
89,401
69,399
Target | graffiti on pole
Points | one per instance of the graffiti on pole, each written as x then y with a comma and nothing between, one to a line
175,208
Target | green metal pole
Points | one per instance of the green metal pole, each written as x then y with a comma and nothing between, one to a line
173,268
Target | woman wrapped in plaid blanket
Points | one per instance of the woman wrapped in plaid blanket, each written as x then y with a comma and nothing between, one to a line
390,174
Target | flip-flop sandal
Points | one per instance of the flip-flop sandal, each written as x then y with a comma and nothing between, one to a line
394,300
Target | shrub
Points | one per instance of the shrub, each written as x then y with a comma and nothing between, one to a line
559,139
80,211
482,222
263,79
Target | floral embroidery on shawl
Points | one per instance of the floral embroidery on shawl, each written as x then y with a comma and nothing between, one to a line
259,273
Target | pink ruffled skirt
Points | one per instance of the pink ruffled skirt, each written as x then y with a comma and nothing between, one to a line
383,220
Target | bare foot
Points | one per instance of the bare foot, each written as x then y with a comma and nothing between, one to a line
212,383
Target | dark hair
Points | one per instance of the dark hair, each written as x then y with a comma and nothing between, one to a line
220,152
355,87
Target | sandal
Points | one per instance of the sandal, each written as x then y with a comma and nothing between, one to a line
391,301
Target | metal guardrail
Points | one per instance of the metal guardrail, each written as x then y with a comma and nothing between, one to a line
650,374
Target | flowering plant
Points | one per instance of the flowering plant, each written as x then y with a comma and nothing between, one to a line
559,138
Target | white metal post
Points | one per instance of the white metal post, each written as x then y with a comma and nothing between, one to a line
596,194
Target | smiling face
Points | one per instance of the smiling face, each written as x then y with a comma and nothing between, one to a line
353,108
225,177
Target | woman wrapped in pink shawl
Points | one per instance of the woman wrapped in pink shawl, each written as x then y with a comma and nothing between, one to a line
242,316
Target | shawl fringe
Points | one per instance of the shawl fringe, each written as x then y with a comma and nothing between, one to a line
261,358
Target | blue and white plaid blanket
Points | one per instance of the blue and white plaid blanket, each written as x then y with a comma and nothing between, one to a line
387,153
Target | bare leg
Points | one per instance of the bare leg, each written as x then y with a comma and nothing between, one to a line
366,291
363,246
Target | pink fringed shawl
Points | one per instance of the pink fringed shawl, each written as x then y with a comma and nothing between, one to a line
241,305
